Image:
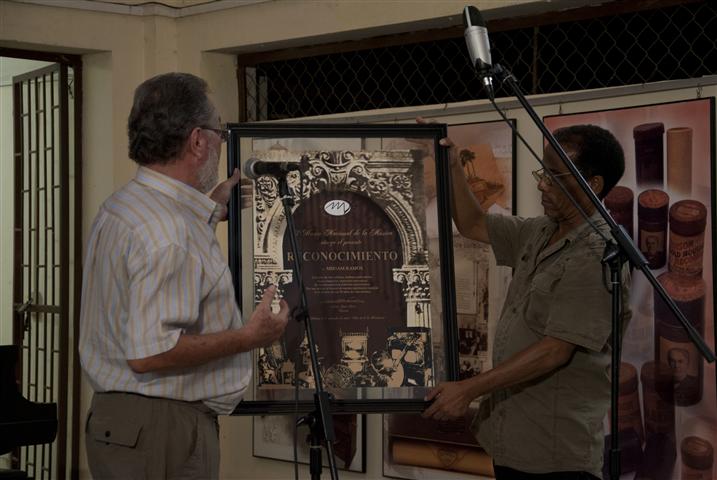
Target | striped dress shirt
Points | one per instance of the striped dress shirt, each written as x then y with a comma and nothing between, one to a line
154,270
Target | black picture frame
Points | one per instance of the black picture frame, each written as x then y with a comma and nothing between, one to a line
379,401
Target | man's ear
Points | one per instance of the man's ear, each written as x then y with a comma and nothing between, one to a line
196,143
597,183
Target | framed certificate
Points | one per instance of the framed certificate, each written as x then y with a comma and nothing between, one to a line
371,221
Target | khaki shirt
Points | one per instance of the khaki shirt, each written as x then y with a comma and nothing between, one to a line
553,423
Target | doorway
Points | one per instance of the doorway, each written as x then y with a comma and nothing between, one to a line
40,257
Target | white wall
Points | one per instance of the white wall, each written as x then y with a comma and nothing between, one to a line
120,51
7,185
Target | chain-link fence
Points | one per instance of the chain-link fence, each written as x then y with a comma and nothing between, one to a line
674,42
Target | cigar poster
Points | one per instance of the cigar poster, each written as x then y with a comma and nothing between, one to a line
359,205
417,448
665,201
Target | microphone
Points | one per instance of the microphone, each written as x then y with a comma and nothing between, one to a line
476,35
254,168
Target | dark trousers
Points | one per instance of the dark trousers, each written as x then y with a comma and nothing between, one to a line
505,473
142,438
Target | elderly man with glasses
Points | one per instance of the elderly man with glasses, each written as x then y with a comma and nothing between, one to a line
162,340
549,390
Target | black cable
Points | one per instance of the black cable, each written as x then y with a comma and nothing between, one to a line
296,364
296,425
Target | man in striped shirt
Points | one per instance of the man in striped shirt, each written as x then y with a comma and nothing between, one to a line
162,340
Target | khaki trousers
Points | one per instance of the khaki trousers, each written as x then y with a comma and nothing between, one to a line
131,436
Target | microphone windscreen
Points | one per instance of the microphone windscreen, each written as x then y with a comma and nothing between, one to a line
248,169
472,17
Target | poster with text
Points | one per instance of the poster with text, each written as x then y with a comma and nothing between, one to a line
340,223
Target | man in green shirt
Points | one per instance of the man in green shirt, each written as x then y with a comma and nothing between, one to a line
549,390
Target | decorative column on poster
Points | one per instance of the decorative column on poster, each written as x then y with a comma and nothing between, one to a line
416,448
669,172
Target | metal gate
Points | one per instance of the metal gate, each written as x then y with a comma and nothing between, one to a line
46,260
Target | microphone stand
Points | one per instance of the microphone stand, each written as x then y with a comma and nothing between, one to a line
616,253
319,421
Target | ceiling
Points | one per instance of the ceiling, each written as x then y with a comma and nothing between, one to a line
167,3
166,8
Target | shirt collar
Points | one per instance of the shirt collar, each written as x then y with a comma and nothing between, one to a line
585,227
578,232
198,203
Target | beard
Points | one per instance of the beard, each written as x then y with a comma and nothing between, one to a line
209,172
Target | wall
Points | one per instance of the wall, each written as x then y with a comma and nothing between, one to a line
7,185
121,50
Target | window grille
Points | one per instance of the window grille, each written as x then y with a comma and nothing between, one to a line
559,55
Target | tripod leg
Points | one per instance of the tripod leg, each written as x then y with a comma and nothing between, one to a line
315,462
315,449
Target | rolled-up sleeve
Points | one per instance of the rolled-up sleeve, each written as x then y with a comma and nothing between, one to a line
507,235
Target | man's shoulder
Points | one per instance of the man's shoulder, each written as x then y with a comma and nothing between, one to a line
514,231
147,213
593,242
522,222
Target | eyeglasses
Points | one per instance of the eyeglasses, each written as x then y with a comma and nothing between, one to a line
542,176
222,132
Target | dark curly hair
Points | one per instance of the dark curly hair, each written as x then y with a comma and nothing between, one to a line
165,110
597,153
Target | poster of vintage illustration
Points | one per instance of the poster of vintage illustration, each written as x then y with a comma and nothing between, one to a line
416,448
665,201
361,224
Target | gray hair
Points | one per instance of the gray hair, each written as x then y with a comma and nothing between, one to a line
166,109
